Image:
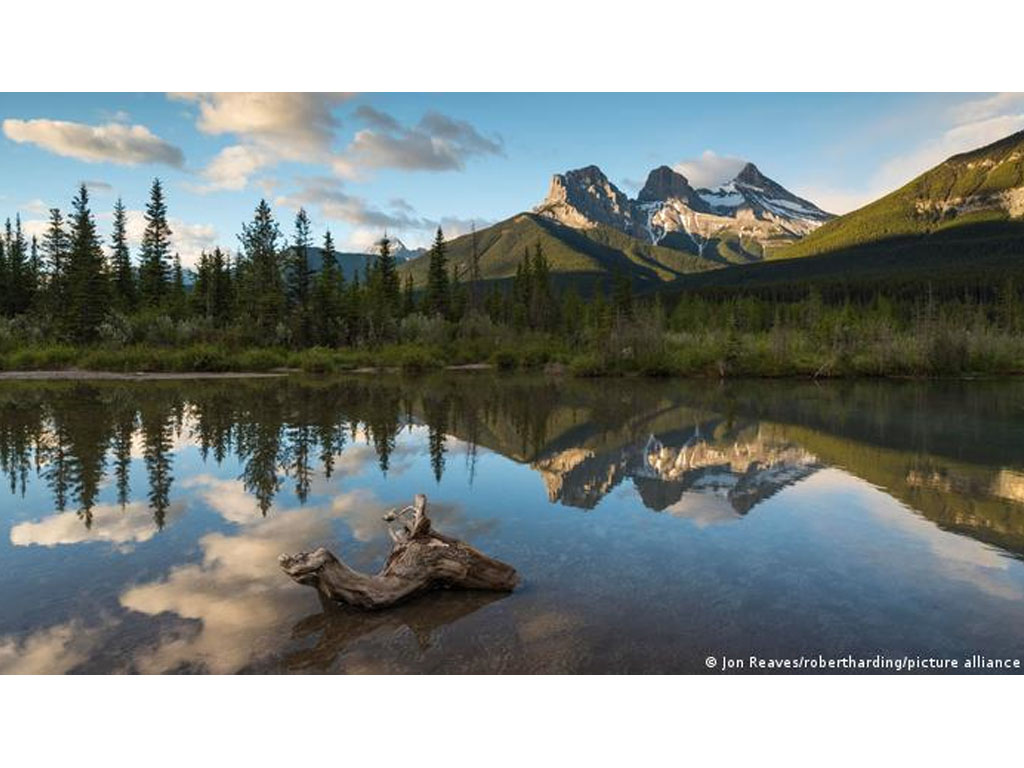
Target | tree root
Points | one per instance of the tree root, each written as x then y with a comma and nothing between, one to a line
422,559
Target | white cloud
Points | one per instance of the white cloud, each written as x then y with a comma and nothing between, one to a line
51,651
328,196
958,138
271,127
187,240
298,126
710,169
969,125
232,167
436,143
110,523
237,591
112,142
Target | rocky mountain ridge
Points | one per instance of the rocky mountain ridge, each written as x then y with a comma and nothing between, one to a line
737,221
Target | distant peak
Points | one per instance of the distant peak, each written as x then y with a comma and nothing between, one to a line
750,174
588,172
664,183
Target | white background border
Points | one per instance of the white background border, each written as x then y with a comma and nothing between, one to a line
527,45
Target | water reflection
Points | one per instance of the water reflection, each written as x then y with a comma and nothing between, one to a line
165,504
741,443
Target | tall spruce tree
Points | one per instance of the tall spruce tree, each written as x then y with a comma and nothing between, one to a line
178,295
261,293
18,277
155,258
56,246
87,274
327,296
408,297
388,269
435,301
125,294
5,242
299,278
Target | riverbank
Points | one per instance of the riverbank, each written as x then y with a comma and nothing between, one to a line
699,355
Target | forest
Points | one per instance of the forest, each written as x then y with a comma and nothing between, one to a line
74,297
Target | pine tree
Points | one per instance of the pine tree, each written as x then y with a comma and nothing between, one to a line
388,271
5,244
622,287
222,288
35,270
436,300
262,290
22,285
408,297
125,294
87,274
178,296
55,262
541,299
154,264
15,271
327,296
474,269
299,277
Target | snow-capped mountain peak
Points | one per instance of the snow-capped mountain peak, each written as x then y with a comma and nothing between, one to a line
750,213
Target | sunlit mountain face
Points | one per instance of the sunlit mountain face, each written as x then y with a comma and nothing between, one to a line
141,522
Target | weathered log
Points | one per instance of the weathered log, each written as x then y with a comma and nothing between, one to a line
421,559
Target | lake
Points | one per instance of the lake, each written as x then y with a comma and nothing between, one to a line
654,523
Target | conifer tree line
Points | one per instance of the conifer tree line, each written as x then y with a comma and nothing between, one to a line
81,286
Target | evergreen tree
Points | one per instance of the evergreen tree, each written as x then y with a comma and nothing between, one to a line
87,273
154,264
388,270
55,262
573,315
622,287
299,277
222,288
5,244
35,269
435,301
541,300
15,271
408,297
474,269
327,296
178,297
121,261
261,292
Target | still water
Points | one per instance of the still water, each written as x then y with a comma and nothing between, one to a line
654,524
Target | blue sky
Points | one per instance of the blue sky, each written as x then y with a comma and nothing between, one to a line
408,162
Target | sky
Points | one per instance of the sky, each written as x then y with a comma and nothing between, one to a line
407,163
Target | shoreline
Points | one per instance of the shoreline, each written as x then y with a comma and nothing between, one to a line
556,370
78,374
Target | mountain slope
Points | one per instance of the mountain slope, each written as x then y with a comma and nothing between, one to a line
351,263
984,186
581,255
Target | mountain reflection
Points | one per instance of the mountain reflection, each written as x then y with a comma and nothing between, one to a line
692,449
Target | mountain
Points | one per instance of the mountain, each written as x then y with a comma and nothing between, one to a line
351,263
972,196
738,222
582,256
590,229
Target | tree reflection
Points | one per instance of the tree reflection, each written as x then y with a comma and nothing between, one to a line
582,438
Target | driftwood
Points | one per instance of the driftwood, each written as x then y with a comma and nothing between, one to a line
421,559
